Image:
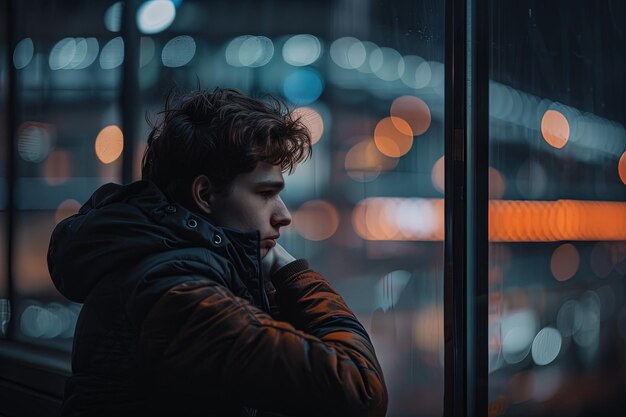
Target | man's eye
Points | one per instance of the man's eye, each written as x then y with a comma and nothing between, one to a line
266,194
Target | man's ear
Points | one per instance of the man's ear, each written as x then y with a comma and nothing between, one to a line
202,193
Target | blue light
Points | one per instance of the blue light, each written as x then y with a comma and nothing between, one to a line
303,86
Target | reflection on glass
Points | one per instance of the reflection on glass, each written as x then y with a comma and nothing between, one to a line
556,226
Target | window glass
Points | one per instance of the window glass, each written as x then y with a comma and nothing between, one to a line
557,175
4,295
68,143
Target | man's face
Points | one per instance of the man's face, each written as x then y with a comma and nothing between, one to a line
253,203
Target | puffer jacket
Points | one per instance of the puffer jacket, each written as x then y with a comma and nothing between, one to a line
177,319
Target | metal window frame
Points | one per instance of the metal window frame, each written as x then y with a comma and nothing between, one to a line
466,131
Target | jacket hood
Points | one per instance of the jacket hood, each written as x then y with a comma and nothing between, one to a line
121,225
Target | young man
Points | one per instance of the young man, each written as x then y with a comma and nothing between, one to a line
190,305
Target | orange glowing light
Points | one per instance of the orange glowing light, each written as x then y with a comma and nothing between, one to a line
312,120
412,110
66,209
364,161
496,184
57,168
393,137
316,220
109,144
509,221
564,262
438,175
621,168
555,128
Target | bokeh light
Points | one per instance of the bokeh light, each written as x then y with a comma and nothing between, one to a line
312,120
621,168
364,161
546,346
393,137
112,54
316,220
113,17
303,86
438,175
564,262
300,50
34,141
57,168
62,54
23,53
417,73
497,186
555,128
66,209
178,51
412,110
382,218
155,16
347,52
386,63
109,144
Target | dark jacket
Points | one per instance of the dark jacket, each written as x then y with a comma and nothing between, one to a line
177,321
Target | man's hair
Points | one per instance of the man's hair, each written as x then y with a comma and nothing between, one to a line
221,134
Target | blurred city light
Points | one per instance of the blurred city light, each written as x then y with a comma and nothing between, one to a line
66,209
412,110
564,262
312,120
249,51
23,53
316,220
555,128
178,51
518,329
546,346
155,16
62,53
109,144
57,168
497,185
300,50
303,86
417,73
437,175
112,54
34,141
386,63
393,136
364,161
113,17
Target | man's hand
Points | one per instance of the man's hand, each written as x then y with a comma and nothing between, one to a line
276,258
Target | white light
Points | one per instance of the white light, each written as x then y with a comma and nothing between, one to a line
155,16
255,51
178,51
23,53
62,53
232,51
415,218
92,53
112,54
356,55
339,51
569,319
518,330
546,346
79,54
113,17
387,64
300,50
417,72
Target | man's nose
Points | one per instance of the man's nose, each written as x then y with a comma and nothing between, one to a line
281,216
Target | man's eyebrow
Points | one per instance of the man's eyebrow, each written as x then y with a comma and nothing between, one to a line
271,184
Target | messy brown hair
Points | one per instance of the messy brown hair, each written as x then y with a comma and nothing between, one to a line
221,134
